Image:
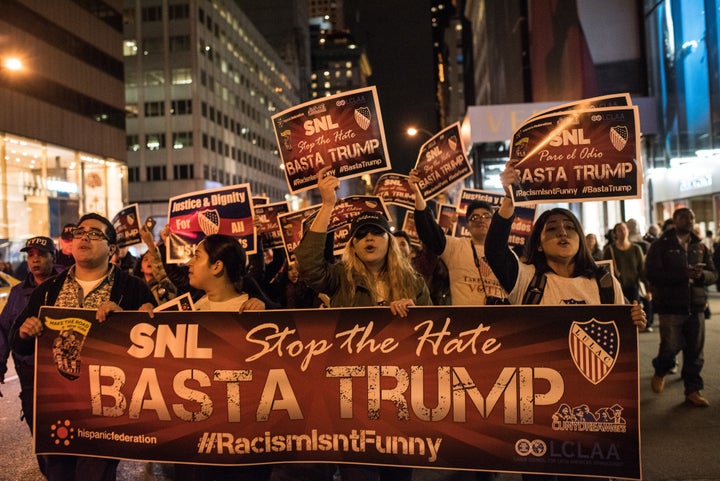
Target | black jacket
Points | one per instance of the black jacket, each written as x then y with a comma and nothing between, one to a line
666,270
129,292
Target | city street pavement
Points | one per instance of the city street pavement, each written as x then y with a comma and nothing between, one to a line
679,442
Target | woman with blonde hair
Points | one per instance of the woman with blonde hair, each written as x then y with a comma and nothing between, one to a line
372,272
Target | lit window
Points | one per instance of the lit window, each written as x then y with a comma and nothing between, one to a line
181,76
130,48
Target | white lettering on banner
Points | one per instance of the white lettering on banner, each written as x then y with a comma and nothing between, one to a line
358,441
319,124
516,386
569,137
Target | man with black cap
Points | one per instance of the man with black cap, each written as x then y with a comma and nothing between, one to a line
64,255
41,266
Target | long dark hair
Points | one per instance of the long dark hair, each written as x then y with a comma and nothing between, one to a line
220,247
584,263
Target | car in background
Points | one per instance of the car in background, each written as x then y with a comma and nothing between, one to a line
6,283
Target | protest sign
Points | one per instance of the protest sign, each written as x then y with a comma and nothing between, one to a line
291,227
193,216
343,130
578,155
521,226
182,302
267,226
441,162
260,200
447,218
395,189
539,389
127,226
611,100
409,227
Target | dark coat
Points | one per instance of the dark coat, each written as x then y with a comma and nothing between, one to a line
129,292
666,267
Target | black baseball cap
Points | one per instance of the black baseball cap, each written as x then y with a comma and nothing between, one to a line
41,243
67,232
369,218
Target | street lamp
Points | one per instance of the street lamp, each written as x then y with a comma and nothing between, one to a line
13,64
413,131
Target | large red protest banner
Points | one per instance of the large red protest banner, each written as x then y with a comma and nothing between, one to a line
546,389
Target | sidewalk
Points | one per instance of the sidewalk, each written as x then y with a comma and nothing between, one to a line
679,441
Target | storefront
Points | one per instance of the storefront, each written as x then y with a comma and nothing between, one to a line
692,182
43,187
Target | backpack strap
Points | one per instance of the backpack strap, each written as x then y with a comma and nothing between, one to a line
535,289
605,286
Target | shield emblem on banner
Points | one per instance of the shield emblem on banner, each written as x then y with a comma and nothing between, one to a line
452,142
362,117
594,348
209,221
619,136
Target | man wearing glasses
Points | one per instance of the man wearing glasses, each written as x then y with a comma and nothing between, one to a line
92,283
471,279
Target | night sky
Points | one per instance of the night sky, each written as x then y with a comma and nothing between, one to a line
397,36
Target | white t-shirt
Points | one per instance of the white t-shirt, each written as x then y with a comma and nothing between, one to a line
561,290
233,305
466,286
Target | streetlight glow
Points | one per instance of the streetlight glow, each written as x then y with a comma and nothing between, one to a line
413,131
13,63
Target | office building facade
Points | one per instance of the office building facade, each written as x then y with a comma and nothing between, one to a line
201,86
62,121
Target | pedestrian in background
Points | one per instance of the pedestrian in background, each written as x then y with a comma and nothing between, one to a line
679,266
594,247
64,256
628,262
41,267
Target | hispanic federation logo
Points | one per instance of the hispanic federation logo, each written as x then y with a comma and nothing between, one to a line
62,432
594,348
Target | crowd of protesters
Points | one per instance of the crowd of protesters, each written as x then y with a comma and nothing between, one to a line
378,267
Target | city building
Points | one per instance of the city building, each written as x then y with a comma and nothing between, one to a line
201,86
528,56
62,121
284,24
682,39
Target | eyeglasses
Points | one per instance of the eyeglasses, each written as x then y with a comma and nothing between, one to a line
92,234
362,232
478,218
